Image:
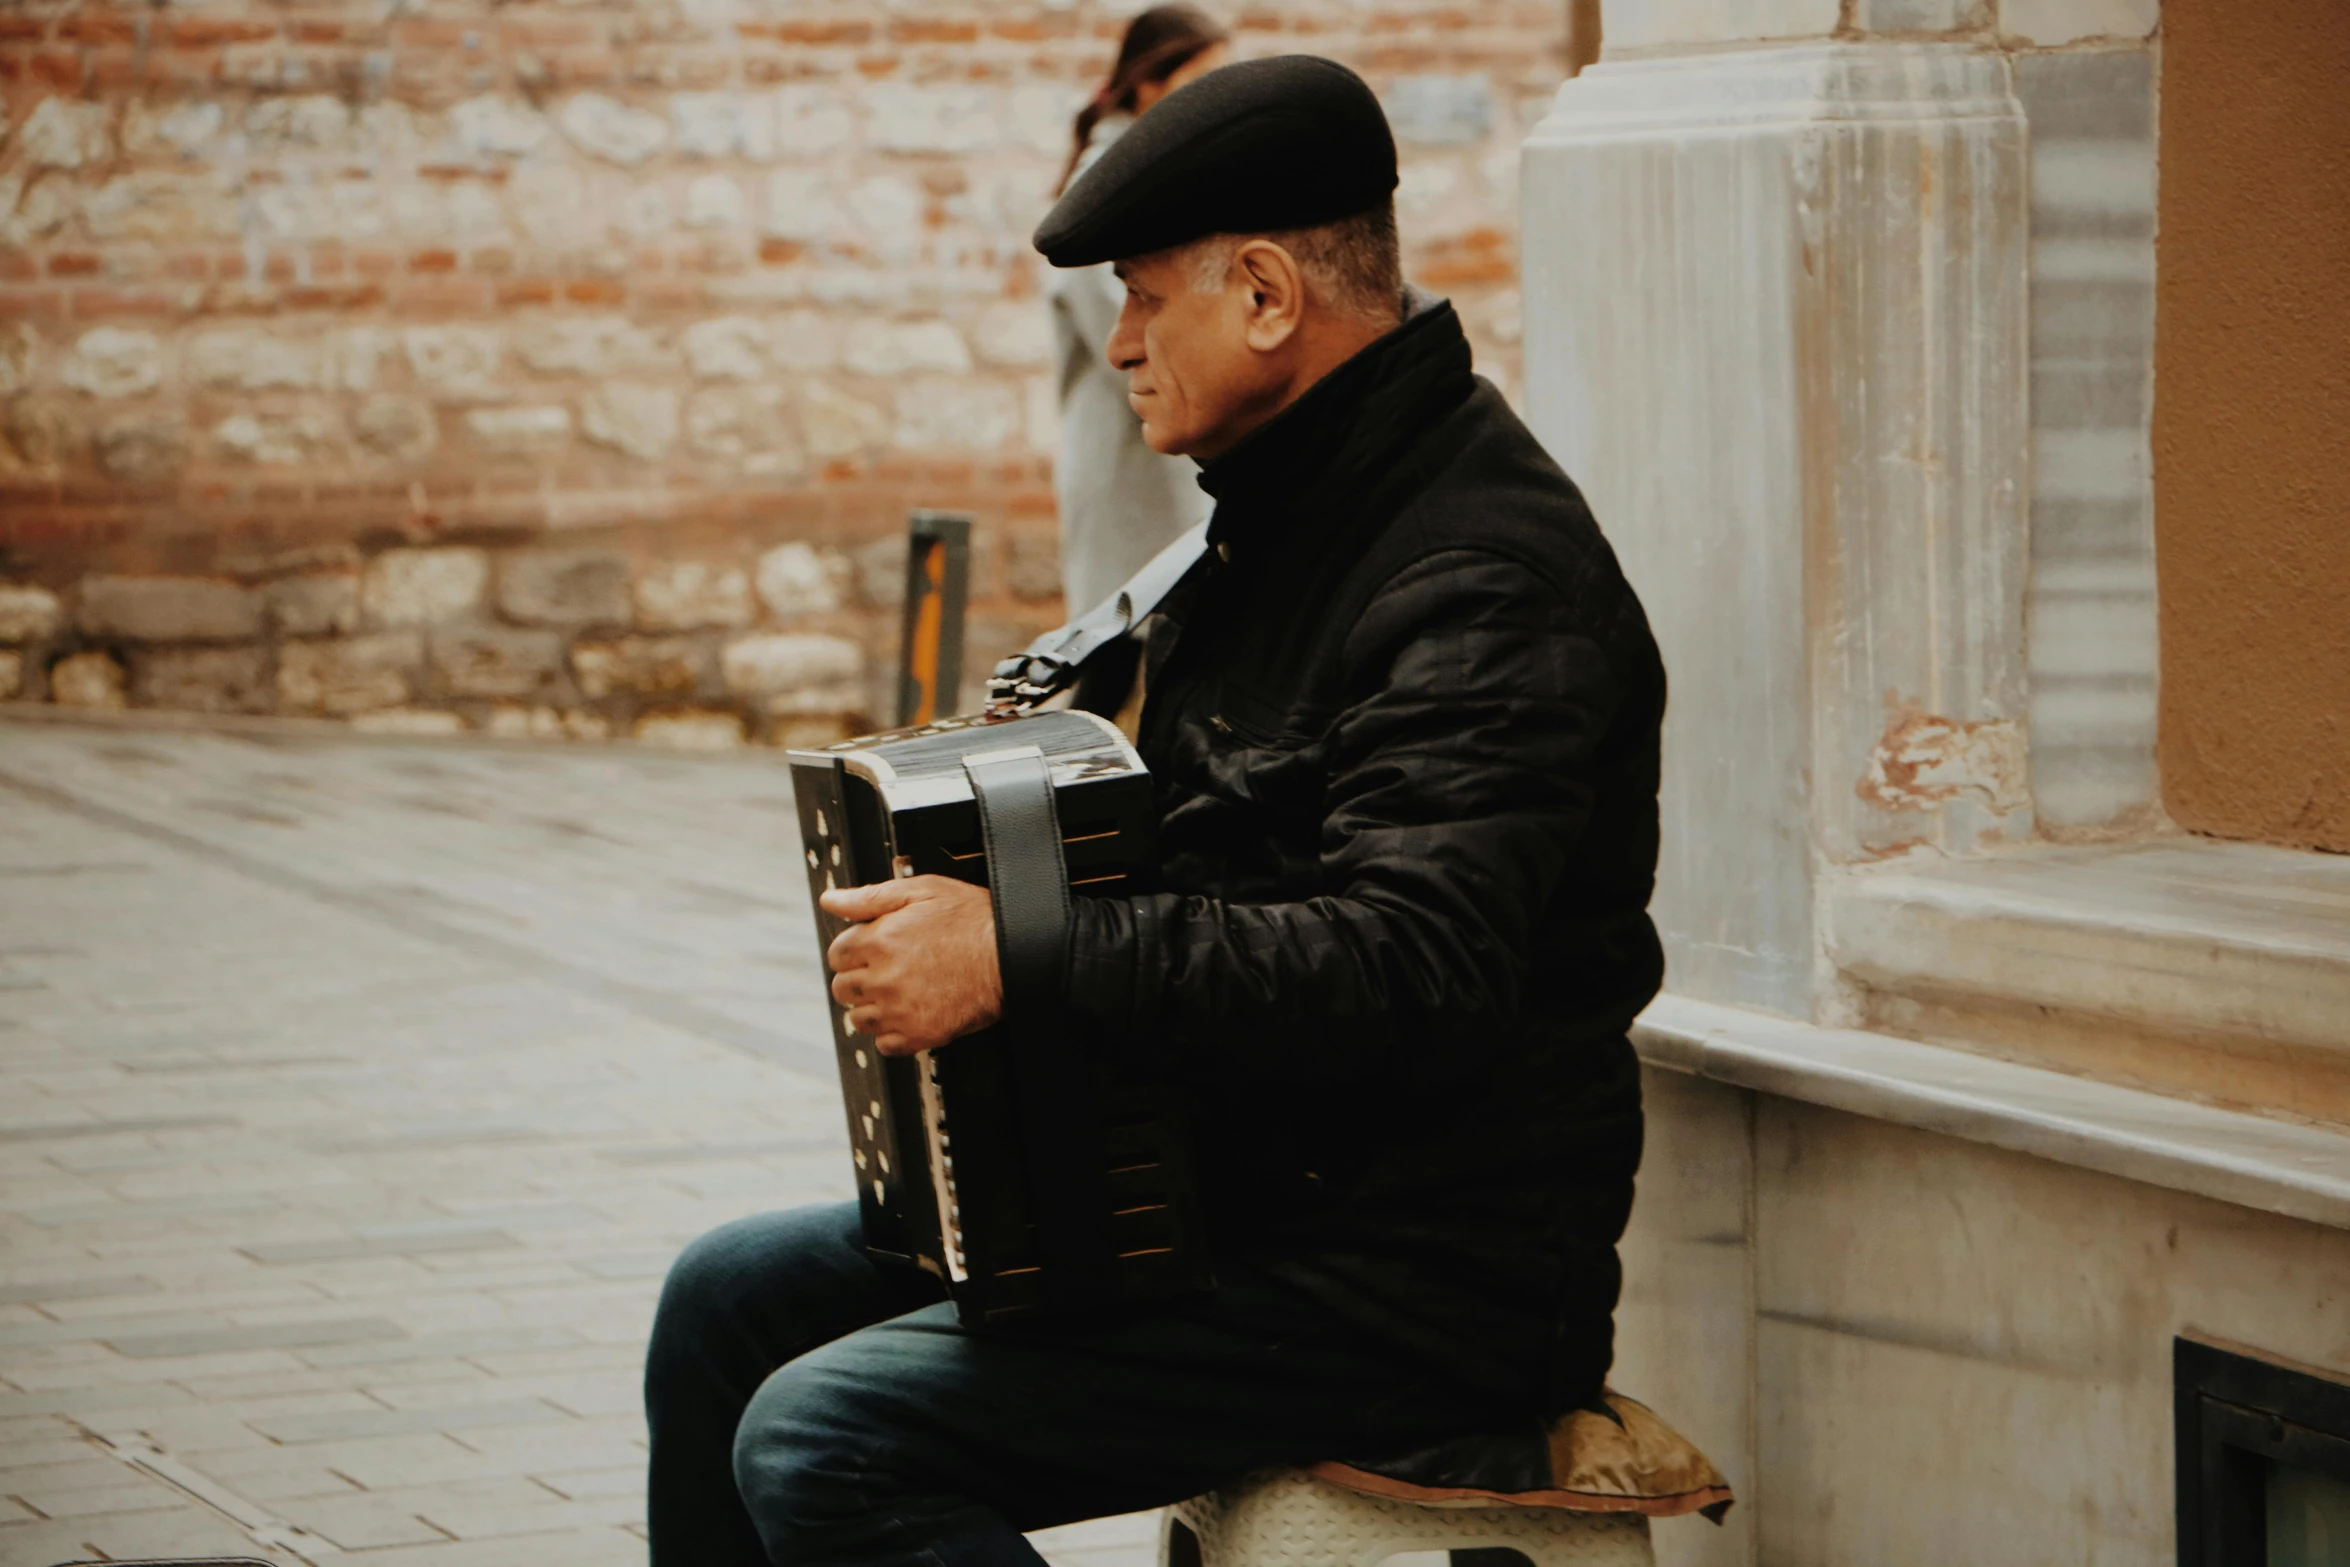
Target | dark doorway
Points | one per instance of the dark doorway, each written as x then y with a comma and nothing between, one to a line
2263,1460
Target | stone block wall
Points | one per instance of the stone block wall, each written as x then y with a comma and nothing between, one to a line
569,367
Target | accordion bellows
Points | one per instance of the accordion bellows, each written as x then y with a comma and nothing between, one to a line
1013,1163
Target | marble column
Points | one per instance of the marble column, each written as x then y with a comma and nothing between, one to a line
1776,327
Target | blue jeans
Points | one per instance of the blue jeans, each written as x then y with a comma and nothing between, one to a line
810,1404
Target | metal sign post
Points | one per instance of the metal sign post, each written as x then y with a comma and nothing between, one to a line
930,643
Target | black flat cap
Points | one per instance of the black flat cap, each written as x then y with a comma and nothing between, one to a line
1283,143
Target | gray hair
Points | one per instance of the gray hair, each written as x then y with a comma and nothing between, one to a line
1354,265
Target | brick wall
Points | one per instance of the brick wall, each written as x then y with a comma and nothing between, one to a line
569,368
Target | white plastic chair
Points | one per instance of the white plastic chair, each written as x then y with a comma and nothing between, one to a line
1286,1518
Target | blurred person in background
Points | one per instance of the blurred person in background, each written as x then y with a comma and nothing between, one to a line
1120,502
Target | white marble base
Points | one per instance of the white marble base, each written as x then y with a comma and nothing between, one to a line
1685,1328
1917,1348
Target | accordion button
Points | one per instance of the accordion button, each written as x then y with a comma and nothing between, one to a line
860,1060
860,1158
877,1189
884,1158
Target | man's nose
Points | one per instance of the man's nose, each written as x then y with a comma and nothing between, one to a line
1124,349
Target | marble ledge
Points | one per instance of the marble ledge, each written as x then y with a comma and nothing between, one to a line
2300,1172
2174,933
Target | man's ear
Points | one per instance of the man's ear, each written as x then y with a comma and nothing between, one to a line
1276,293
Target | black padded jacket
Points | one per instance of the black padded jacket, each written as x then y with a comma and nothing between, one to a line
1403,720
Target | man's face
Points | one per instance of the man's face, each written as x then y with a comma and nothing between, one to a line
1191,376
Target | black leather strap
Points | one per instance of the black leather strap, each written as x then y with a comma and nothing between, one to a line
1055,1087
1049,665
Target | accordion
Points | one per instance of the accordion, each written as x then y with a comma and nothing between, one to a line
1022,1167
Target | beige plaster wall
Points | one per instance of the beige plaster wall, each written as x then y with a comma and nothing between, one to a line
2252,399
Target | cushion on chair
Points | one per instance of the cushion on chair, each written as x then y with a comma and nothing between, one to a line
1614,1457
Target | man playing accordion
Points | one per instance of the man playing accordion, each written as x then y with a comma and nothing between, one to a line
1402,720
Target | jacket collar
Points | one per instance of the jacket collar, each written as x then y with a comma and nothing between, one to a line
1348,428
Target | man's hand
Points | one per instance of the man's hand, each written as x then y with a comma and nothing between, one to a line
919,968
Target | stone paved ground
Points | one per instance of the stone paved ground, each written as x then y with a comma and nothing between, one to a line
353,1095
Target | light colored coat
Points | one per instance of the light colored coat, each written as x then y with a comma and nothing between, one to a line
1120,502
